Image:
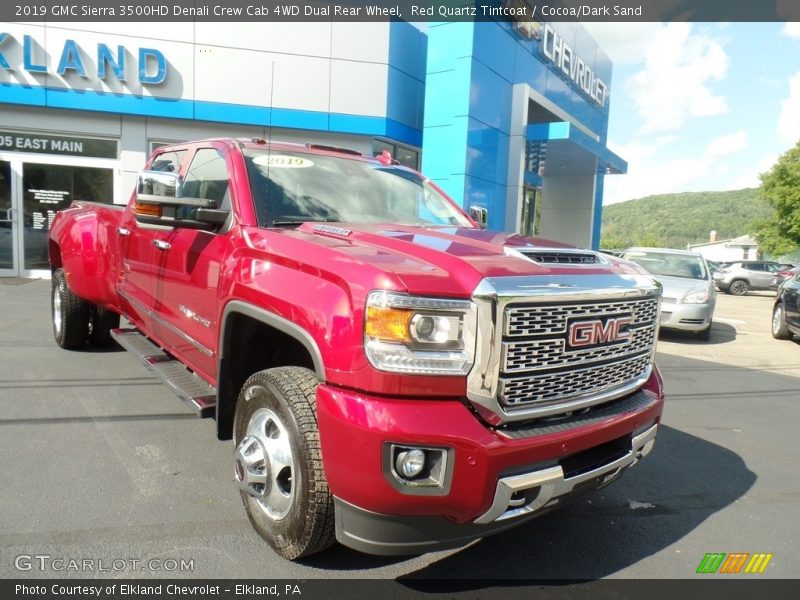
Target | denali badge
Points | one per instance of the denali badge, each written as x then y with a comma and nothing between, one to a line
597,331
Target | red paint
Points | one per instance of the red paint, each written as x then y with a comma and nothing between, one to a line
320,283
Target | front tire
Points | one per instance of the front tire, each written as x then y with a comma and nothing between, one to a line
739,287
70,314
780,331
278,462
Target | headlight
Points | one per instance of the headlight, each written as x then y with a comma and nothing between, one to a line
697,297
416,335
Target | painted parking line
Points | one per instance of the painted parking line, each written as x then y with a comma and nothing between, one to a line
730,321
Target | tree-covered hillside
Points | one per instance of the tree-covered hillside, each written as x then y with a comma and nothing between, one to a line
675,220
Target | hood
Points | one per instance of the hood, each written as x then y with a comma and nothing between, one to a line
677,287
447,261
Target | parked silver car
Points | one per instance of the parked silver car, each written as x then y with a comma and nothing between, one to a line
689,295
740,277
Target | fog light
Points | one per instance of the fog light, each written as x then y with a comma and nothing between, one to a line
410,463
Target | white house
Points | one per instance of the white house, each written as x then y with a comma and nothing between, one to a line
744,247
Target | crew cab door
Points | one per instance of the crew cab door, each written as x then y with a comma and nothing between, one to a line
189,263
137,266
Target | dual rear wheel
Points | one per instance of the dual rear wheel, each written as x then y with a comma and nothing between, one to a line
75,320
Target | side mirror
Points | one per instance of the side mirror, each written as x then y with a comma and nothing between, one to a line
480,215
159,201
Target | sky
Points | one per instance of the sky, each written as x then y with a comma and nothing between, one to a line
699,106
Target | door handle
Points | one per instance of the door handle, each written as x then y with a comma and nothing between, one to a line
9,218
162,245
123,231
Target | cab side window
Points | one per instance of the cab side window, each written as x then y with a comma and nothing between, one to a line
169,162
207,178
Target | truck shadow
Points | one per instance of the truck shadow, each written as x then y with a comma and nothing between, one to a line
683,482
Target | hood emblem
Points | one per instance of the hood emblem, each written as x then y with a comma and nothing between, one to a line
343,231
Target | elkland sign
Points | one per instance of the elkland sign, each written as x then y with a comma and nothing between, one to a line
72,59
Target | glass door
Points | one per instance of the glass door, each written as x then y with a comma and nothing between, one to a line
9,260
48,188
531,215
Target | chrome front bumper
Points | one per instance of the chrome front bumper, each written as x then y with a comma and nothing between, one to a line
527,493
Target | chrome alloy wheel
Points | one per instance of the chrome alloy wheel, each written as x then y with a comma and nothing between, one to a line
777,319
57,310
264,465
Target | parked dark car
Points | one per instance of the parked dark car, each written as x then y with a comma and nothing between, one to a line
786,310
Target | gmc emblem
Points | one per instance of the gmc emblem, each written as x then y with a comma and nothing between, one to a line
597,331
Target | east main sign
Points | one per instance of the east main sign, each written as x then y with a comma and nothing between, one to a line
72,59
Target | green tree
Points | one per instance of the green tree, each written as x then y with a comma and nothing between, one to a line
780,187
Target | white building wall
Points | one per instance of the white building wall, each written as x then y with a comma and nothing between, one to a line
321,67
567,209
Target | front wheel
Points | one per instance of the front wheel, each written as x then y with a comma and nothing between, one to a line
70,314
780,331
739,287
278,462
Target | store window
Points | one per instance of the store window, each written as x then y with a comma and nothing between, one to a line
49,188
405,156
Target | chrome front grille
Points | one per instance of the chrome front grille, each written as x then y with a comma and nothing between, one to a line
539,367
538,320
551,353
551,345
556,387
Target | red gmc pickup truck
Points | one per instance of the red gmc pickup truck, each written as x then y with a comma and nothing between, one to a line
392,376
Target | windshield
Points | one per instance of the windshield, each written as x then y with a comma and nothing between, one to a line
668,264
293,187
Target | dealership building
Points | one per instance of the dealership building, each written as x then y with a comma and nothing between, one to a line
510,119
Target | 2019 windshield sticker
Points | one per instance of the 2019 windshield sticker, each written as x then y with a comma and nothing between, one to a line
282,161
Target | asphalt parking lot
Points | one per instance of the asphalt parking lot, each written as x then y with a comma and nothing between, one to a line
100,461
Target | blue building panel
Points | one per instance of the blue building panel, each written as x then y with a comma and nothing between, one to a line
442,156
495,48
403,97
486,194
449,98
452,41
487,152
16,93
487,92
500,59
406,44
119,103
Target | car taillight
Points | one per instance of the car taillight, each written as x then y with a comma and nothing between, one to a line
784,273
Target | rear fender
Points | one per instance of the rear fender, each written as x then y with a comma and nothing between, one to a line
83,243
